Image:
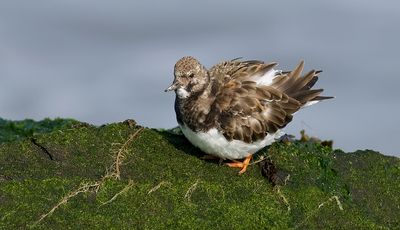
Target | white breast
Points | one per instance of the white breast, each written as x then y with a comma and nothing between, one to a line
214,143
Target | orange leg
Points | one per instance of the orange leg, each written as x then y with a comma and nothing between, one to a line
243,165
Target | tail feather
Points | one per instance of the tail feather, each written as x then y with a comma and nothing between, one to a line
306,95
300,87
303,83
320,98
311,83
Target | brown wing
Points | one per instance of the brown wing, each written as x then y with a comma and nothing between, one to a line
247,111
241,70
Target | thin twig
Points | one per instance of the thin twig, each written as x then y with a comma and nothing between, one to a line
261,159
124,190
332,198
284,199
191,189
116,172
336,198
287,178
81,189
155,188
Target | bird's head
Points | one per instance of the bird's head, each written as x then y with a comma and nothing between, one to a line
190,77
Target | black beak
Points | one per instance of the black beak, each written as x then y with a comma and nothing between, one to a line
174,86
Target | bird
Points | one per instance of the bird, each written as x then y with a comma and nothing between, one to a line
238,107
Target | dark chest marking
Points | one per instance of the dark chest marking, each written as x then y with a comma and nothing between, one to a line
196,113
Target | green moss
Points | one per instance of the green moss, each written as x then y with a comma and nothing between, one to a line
173,188
17,130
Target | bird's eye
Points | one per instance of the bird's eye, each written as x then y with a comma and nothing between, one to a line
191,75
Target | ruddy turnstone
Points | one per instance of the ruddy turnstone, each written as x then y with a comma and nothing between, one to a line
238,107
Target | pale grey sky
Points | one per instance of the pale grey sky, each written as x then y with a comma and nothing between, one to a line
103,61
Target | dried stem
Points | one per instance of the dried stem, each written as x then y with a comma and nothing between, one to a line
81,189
332,198
115,171
155,188
191,189
261,159
124,190
284,199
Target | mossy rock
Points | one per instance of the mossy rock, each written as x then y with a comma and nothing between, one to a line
123,176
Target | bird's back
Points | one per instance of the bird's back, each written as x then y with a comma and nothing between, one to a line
250,99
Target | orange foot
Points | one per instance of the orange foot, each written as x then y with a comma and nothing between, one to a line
243,165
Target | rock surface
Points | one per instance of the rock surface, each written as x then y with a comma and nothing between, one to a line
66,174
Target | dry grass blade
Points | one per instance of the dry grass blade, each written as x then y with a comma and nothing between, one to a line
115,170
155,188
284,199
124,190
191,189
81,189
315,211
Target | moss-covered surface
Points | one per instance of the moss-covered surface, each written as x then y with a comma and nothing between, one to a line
17,130
121,176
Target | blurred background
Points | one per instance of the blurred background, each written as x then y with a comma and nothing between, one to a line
107,61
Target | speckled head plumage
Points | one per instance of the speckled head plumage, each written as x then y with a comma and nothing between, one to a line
190,77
